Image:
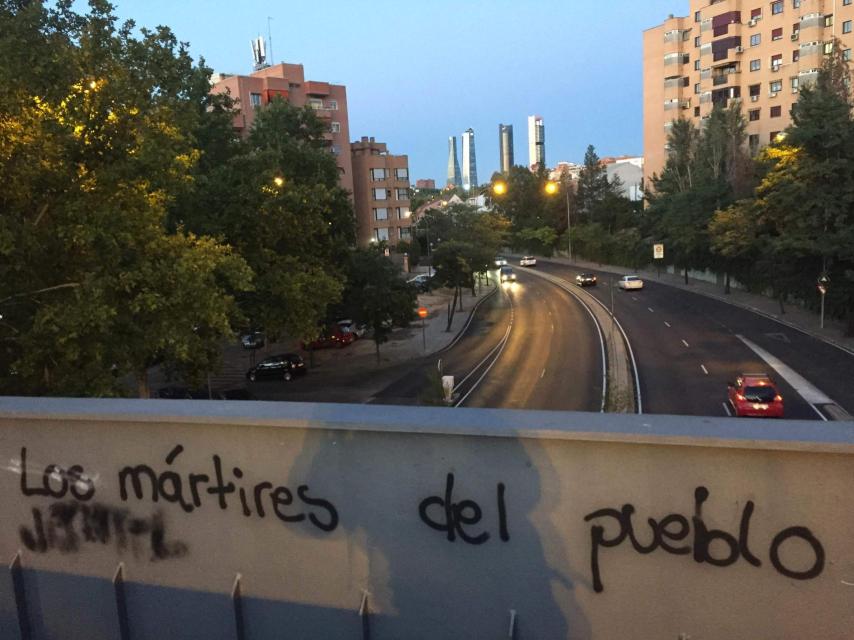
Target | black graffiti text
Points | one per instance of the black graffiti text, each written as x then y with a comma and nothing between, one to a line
142,482
67,526
673,535
454,517
56,481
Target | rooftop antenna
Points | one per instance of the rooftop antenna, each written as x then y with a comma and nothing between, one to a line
270,40
259,54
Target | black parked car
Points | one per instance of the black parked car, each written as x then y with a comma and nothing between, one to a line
281,367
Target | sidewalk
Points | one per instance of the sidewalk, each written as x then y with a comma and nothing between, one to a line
795,317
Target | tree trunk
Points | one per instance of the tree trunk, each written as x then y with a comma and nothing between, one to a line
451,309
726,284
142,385
686,274
780,300
377,343
460,291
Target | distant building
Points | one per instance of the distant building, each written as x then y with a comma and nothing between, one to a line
505,147
454,178
425,184
629,170
469,161
442,201
287,81
380,193
536,142
563,170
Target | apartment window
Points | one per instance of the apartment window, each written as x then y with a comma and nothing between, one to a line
401,174
846,55
753,143
315,103
697,88
753,115
255,99
796,4
697,16
403,213
332,105
696,112
381,213
378,174
696,41
379,194
796,55
755,65
776,61
845,3
828,48
776,86
828,20
776,112
402,194
335,127
754,89
776,7
795,84
755,39
756,13
696,65
335,150
405,233
846,26
773,136
381,234
777,34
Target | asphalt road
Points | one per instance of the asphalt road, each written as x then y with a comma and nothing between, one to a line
687,348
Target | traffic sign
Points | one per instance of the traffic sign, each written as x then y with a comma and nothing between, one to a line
422,312
658,251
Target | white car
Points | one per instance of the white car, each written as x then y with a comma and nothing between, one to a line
500,261
528,261
629,282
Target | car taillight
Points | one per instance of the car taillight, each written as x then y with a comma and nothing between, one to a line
778,398
739,397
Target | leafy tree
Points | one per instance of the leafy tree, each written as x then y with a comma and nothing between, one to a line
593,186
95,143
377,295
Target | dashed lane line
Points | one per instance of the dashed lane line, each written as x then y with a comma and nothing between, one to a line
726,409
703,367
667,324
686,344
651,310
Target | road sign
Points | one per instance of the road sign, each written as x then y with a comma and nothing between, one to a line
422,312
658,251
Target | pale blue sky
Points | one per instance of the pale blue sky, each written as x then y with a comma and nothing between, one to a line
417,72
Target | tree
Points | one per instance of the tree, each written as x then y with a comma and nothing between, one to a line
95,142
593,186
377,295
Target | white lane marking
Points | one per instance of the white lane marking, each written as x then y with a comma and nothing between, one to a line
686,344
543,373
650,310
667,323
847,584
813,395
726,408
634,298
703,367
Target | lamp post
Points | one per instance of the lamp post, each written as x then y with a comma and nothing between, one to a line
823,282
551,189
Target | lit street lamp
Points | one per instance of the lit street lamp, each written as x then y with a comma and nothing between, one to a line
551,189
823,283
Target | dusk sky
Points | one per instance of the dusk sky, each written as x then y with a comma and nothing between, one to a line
418,72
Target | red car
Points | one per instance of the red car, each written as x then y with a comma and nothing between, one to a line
331,337
755,395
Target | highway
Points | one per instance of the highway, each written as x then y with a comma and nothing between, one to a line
688,346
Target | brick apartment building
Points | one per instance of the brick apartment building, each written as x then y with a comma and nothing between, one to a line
756,52
288,81
380,193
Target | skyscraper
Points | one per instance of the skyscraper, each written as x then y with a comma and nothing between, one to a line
454,178
505,147
469,161
536,142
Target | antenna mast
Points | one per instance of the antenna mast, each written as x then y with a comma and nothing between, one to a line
270,41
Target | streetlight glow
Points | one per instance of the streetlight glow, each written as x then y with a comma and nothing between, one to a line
499,188
551,187
278,181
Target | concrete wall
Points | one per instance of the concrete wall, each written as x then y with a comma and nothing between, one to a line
438,523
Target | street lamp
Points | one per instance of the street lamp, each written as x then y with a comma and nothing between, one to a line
499,188
551,189
278,181
823,283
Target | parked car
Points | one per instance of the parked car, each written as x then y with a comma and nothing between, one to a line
422,282
585,279
500,261
284,366
348,326
629,282
506,274
253,340
333,336
755,394
528,261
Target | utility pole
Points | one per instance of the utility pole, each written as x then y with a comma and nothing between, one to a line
270,41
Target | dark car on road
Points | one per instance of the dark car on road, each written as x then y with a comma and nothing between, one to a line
585,280
421,282
284,366
253,340
333,336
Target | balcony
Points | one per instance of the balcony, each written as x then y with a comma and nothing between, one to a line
316,88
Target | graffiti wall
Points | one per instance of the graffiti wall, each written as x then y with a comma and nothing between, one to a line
415,523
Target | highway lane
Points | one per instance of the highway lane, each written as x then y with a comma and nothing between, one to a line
552,357
687,349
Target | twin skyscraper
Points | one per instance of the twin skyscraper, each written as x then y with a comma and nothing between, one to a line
467,177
